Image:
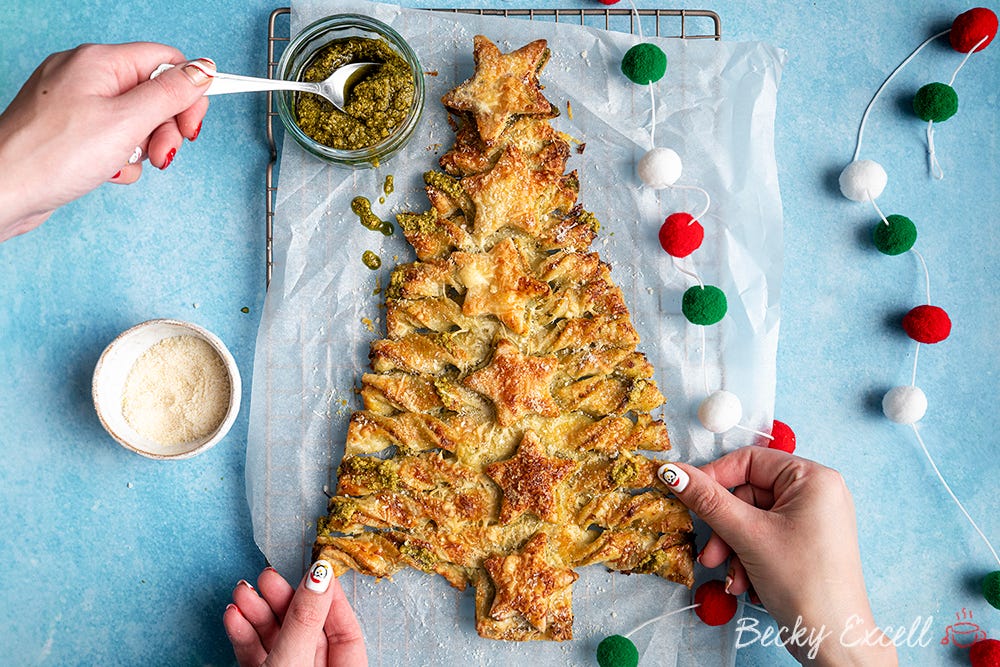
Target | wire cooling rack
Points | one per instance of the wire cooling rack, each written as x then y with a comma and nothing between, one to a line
675,23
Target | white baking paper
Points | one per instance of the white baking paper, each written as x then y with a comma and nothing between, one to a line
715,107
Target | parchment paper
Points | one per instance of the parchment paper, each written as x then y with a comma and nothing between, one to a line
715,107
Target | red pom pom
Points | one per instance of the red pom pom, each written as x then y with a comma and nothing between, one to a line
681,234
783,437
717,606
985,653
927,324
970,27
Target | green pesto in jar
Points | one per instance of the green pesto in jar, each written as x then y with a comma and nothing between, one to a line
371,260
375,106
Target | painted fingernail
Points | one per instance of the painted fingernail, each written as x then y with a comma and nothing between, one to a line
232,606
160,70
200,71
698,558
318,579
197,131
136,155
729,582
117,174
170,158
270,568
244,582
673,477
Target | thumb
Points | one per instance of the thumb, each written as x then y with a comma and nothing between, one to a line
726,514
167,94
302,627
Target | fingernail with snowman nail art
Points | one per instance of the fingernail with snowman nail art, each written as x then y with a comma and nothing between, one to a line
318,579
675,478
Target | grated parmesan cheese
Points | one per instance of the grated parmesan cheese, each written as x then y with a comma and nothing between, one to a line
177,391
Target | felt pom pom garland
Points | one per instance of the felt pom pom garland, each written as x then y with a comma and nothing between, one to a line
862,180
680,235
865,180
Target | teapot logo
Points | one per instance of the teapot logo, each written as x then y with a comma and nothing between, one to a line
964,633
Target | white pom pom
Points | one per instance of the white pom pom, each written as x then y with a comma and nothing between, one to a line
659,168
905,404
720,412
863,180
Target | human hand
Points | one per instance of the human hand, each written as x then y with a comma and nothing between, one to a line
790,530
281,627
77,120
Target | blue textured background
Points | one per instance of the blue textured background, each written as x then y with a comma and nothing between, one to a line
109,558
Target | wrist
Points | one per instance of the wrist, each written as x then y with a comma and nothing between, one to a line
851,639
870,649
21,207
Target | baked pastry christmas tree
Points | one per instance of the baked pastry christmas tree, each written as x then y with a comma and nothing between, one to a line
507,405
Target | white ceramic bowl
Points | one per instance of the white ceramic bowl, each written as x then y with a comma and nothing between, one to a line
109,384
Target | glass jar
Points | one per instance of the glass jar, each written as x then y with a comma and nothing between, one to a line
301,51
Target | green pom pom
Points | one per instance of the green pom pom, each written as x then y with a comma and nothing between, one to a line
935,101
991,588
895,238
644,63
704,305
617,651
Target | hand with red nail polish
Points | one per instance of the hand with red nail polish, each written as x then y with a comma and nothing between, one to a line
277,626
789,531
80,117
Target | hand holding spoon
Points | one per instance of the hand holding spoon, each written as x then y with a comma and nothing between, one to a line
334,88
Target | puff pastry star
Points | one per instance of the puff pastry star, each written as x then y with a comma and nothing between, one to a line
528,585
528,480
517,384
499,283
509,194
503,86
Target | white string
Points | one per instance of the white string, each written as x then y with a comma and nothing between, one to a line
864,118
753,430
877,209
704,365
952,493
708,200
927,286
652,119
638,21
951,82
692,274
932,162
661,617
927,274
683,609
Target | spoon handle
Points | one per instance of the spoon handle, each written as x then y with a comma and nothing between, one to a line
224,84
